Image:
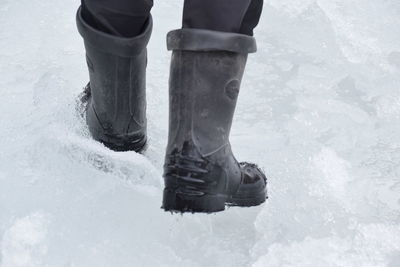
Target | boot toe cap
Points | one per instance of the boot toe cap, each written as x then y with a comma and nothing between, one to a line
252,188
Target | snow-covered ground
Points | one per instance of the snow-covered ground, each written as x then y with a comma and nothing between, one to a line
319,110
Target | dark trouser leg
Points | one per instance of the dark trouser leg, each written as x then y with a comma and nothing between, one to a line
237,16
117,17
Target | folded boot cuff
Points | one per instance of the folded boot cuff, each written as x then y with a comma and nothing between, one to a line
116,45
207,40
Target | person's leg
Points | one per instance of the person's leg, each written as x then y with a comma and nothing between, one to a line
209,56
237,16
116,33
124,18
252,17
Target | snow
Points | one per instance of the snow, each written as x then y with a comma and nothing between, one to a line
319,111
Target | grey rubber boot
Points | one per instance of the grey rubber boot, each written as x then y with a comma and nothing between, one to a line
200,172
116,94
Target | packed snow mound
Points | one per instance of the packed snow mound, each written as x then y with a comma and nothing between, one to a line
319,110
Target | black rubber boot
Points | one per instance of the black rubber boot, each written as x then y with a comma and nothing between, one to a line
201,174
116,94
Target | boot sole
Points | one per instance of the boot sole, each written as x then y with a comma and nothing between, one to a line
127,145
247,202
179,202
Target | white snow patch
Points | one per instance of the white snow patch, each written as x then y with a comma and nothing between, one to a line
24,243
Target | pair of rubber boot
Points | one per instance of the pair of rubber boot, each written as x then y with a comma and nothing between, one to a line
200,172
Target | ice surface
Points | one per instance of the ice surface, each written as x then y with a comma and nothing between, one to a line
319,110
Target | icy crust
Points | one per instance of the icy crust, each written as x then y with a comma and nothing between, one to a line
363,248
319,111
24,243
